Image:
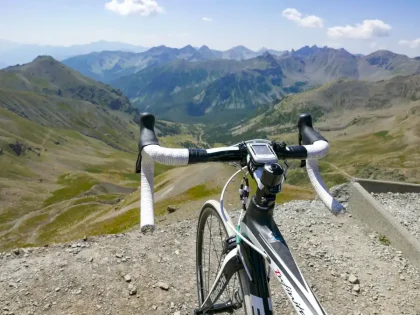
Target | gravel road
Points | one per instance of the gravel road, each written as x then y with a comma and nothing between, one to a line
349,269
405,207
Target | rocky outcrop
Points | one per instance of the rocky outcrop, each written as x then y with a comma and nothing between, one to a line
18,147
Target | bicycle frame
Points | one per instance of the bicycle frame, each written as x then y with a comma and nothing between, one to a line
258,226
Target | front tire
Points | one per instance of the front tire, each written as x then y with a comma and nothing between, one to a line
212,234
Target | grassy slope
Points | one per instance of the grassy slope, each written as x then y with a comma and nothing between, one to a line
78,158
373,127
64,181
387,149
47,76
89,119
35,187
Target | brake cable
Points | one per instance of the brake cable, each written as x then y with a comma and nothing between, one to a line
229,224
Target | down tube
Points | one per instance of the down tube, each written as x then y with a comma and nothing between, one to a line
258,225
285,268
259,290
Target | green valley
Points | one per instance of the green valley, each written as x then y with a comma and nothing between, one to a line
68,144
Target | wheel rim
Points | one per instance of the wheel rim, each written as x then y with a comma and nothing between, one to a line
210,256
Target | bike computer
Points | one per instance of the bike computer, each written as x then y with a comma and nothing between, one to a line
261,153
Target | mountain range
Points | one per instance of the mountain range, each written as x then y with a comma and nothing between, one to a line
69,143
12,53
183,83
198,83
107,66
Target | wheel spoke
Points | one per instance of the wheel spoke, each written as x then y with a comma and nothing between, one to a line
211,265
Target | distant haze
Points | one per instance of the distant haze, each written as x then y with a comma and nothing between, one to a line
12,53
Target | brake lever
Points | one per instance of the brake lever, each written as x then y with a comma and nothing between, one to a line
302,162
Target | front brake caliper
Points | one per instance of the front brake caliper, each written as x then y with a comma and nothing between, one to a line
230,243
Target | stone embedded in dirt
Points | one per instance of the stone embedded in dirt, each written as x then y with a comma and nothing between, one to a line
341,192
127,278
177,313
57,289
85,238
16,251
353,279
172,209
163,286
132,289
356,288
118,255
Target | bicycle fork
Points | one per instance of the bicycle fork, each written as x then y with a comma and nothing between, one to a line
231,264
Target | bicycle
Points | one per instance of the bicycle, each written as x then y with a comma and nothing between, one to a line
253,248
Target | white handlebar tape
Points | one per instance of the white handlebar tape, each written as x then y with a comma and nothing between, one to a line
317,150
147,216
321,189
150,154
166,155
156,153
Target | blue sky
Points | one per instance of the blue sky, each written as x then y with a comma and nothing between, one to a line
360,26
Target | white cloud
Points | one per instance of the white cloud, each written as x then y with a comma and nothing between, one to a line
207,19
366,30
307,21
126,7
410,43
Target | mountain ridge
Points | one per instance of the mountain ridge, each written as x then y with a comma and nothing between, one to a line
341,96
110,65
45,75
246,84
12,53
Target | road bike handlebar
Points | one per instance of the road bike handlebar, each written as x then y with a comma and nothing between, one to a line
314,147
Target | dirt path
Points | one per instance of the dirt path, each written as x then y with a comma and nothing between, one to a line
340,170
181,179
47,137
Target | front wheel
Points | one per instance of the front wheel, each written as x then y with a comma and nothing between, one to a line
212,234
